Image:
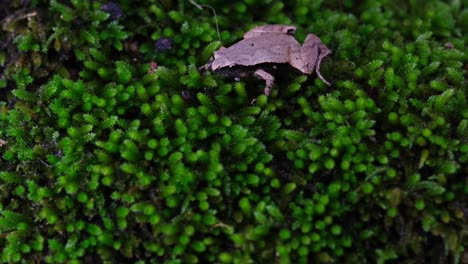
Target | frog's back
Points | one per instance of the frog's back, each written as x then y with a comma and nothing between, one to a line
265,49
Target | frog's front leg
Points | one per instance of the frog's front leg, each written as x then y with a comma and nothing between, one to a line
313,51
269,79
270,29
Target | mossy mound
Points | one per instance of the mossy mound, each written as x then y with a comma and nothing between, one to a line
115,148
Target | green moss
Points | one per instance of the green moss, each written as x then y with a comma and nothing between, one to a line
114,150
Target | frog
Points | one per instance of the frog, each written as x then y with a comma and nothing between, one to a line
263,49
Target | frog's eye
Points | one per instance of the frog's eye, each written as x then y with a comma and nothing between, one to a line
251,44
291,30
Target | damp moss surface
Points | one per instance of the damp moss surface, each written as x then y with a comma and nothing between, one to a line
114,148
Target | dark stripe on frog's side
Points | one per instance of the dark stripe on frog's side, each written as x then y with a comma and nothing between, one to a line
244,71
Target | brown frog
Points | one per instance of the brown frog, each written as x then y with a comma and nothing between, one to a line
264,48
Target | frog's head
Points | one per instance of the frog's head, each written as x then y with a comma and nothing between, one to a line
220,60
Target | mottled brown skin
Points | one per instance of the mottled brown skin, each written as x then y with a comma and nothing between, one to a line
269,45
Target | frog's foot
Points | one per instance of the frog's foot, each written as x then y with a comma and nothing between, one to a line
270,29
269,79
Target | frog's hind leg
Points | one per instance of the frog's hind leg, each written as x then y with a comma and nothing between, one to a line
313,51
269,80
270,29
